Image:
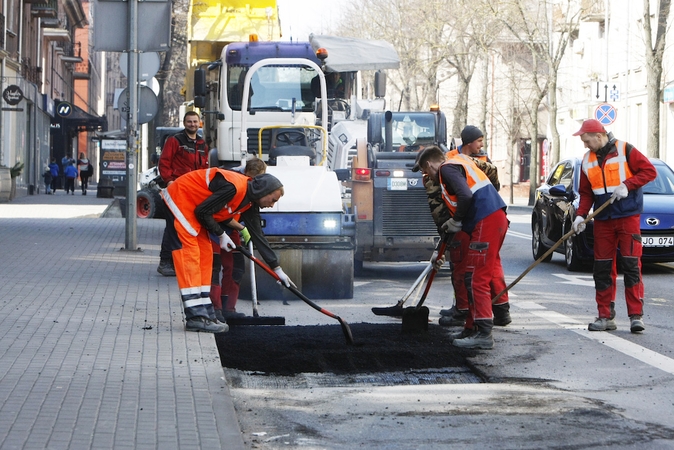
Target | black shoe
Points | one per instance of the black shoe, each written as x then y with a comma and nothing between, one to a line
219,317
166,268
458,319
232,314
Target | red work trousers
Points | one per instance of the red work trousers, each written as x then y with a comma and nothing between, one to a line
609,235
227,286
483,275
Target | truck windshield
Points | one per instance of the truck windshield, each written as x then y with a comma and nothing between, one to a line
411,130
273,88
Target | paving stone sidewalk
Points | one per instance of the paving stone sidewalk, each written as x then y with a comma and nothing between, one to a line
93,351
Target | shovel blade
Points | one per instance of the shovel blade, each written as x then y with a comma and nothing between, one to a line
415,320
392,311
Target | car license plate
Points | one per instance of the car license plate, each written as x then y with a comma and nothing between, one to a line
397,184
657,241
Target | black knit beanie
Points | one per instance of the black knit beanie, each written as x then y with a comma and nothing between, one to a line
470,134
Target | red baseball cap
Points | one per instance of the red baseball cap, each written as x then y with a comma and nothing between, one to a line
590,126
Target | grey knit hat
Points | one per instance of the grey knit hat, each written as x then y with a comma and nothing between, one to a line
263,184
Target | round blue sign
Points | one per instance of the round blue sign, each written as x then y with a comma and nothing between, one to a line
605,114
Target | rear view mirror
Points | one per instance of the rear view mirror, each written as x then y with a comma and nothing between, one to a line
379,84
199,83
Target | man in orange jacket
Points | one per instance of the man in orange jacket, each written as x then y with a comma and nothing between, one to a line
200,201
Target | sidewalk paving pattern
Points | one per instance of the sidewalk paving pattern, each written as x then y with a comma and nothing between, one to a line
93,350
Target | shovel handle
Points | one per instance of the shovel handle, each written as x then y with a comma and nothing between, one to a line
441,253
551,249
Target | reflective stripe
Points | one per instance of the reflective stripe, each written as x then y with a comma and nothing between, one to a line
184,292
196,302
178,214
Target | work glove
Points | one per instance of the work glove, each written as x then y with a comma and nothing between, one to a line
451,226
619,193
285,279
437,260
226,243
245,235
578,225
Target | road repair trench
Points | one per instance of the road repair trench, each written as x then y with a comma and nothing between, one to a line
307,356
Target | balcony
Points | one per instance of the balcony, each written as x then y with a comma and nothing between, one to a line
30,72
70,53
593,10
48,8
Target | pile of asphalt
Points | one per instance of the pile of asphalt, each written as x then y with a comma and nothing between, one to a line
290,350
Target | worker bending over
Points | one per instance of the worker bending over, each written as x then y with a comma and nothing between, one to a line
199,200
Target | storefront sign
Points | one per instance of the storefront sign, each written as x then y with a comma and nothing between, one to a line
12,95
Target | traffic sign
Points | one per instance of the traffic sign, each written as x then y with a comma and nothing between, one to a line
605,114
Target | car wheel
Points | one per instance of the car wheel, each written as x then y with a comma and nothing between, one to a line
537,247
573,262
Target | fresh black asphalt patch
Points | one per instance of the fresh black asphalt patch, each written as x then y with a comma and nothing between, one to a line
290,350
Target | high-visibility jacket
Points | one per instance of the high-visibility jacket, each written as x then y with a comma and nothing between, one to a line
604,179
190,190
486,199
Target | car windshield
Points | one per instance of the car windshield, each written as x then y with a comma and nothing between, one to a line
410,130
663,183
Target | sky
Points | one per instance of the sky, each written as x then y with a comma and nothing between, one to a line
299,18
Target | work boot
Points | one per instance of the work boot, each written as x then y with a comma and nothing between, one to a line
483,339
458,319
200,323
463,334
602,324
636,324
501,314
166,268
219,317
448,312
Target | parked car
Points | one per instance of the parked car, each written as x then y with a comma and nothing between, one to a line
555,209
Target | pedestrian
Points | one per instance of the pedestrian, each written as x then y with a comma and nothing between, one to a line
54,169
478,211
86,170
616,171
48,179
70,173
200,201
182,153
229,267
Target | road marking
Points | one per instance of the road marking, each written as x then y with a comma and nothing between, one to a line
519,235
576,280
624,346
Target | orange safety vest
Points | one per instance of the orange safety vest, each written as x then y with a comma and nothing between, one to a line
615,171
191,189
475,178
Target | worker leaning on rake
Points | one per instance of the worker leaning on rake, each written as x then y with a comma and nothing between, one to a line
478,212
199,200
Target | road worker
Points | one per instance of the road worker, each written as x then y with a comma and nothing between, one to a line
199,201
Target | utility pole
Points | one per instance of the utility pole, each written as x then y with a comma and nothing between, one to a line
131,241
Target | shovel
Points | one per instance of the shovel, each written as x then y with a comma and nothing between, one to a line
256,319
415,318
397,309
345,326
550,250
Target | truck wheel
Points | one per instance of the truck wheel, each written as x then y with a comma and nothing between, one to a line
147,204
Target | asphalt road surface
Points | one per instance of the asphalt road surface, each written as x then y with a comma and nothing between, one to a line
548,382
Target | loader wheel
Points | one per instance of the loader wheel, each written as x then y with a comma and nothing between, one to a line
148,204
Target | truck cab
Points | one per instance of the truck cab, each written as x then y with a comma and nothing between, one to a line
392,217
